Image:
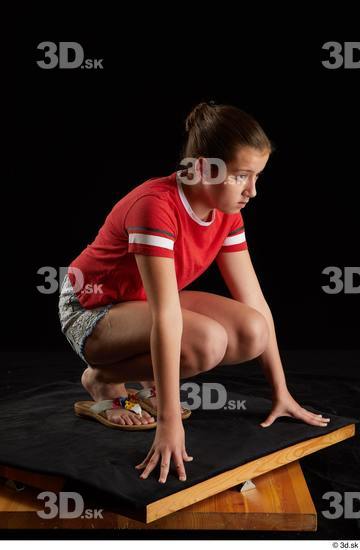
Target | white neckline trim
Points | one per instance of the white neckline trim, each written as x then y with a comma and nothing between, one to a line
188,208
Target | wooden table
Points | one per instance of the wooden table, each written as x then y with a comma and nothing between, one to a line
269,493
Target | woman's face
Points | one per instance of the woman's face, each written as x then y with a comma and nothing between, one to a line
239,186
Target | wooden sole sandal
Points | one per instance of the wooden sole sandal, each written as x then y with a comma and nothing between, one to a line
96,410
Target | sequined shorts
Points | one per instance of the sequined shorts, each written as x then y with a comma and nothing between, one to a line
77,323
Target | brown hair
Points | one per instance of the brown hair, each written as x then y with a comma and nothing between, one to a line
218,130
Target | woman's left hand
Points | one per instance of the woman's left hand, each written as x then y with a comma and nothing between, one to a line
285,405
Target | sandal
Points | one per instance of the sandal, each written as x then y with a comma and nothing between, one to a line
96,410
142,397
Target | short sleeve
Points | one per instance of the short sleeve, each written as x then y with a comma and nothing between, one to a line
236,239
151,227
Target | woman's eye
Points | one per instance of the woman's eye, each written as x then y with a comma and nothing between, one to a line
241,177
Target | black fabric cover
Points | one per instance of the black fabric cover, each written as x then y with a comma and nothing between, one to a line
40,432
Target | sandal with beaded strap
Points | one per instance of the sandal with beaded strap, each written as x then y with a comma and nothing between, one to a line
96,410
142,397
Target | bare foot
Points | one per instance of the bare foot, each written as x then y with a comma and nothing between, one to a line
100,390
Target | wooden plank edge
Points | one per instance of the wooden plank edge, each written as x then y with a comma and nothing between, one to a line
259,466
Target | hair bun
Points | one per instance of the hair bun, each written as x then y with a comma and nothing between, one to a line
202,112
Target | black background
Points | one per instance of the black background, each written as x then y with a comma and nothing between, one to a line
81,139
84,138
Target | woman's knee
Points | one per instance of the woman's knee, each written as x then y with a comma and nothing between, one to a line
255,334
207,347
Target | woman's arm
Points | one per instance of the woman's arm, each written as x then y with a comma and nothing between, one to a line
165,352
240,277
270,360
242,282
159,278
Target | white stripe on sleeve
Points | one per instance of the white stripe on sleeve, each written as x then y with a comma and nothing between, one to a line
235,239
153,240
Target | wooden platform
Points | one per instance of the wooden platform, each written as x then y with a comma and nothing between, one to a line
280,499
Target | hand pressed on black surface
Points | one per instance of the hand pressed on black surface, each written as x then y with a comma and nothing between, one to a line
169,443
285,405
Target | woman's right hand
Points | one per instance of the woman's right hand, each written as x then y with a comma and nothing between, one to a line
169,442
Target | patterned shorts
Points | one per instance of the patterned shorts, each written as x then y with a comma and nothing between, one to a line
77,323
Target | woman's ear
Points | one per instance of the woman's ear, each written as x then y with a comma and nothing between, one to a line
187,174
199,169
214,171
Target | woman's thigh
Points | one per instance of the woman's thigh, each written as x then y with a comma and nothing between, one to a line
247,329
125,332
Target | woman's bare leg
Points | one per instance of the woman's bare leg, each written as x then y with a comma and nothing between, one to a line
126,329
235,333
108,381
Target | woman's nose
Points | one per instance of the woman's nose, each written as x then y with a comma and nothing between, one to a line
250,188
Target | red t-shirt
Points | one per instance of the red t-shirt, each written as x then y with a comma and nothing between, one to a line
156,219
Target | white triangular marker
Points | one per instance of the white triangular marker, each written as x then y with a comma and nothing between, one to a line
247,485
